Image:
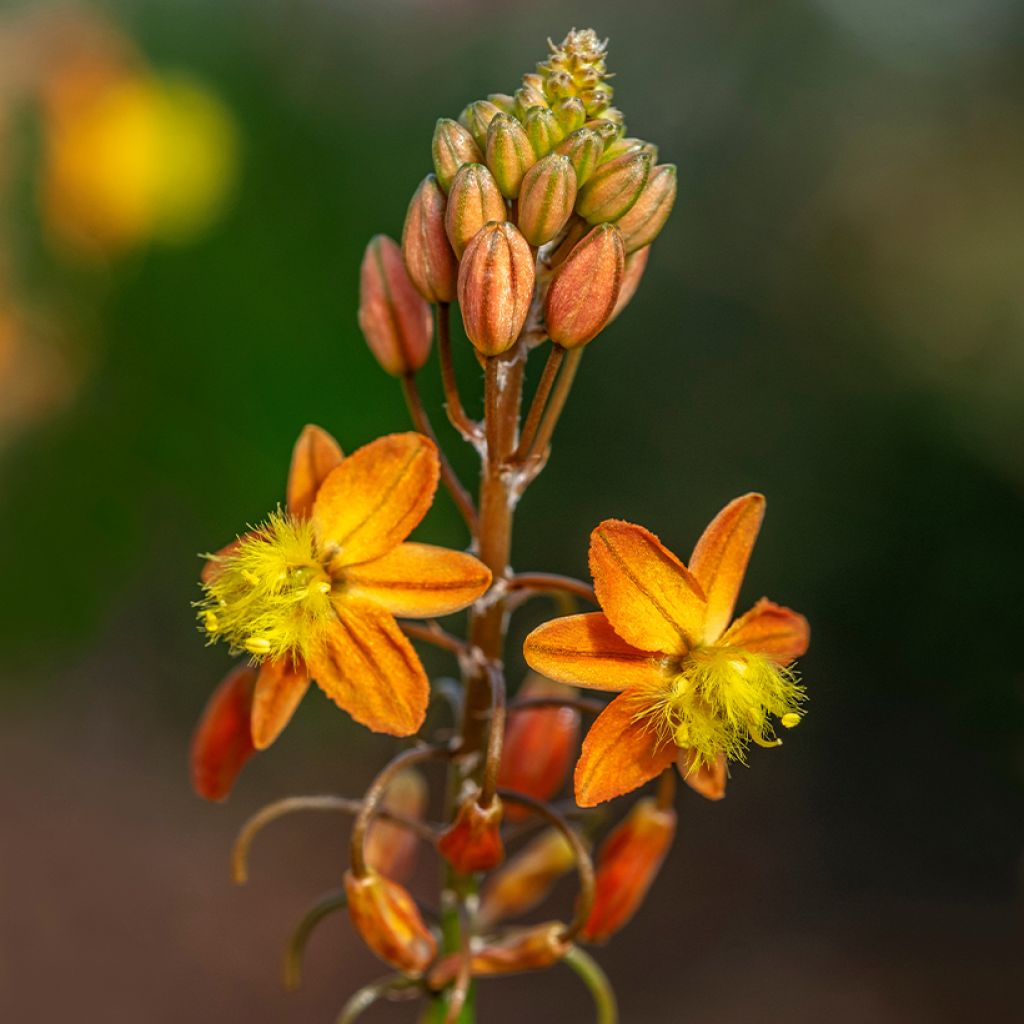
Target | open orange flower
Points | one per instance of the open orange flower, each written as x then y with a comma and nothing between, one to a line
313,592
695,689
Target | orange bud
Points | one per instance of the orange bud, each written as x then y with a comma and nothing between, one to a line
496,281
528,949
708,780
473,200
222,742
387,918
452,147
613,188
585,288
543,130
571,113
390,848
643,223
473,841
584,148
546,198
627,864
539,745
428,255
394,317
509,153
633,271
527,879
476,118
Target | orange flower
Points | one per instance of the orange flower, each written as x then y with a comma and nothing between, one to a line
694,688
314,591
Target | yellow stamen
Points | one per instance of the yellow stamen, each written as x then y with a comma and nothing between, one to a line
257,645
790,720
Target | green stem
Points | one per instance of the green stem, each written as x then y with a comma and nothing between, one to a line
590,973
325,906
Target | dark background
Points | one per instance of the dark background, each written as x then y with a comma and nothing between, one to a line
834,315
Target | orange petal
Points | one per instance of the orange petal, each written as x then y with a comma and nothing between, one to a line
282,684
369,669
584,650
720,559
419,580
212,566
649,596
315,454
223,742
708,780
619,754
374,499
780,633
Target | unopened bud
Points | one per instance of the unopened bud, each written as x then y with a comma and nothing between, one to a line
428,254
496,279
572,236
596,101
476,118
608,130
644,221
543,130
452,147
222,742
559,86
630,145
527,879
584,148
528,97
387,918
585,288
473,200
505,103
627,864
389,847
394,317
707,779
571,113
636,264
528,949
546,198
613,188
509,153
473,841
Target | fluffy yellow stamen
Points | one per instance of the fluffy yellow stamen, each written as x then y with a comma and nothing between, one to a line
270,596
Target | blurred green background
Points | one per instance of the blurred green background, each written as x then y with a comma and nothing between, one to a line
834,315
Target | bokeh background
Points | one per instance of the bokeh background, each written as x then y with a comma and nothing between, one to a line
833,315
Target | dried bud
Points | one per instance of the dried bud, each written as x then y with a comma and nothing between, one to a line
394,317
643,223
627,865
583,147
496,279
387,918
473,841
473,200
509,153
708,780
390,848
428,255
222,742
539,744
613,188
527,879
636,264
546,198
528,949
452,147
585,288
571,114
543,130
476,118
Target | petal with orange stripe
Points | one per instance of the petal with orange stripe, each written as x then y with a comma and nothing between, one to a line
283,682
770,629
315,454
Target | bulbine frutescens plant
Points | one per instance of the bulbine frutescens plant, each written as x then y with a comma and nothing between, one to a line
538,219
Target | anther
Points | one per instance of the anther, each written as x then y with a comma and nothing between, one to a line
210,622
257,645
790,719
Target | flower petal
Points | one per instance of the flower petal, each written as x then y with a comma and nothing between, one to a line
369,669
720,558
780,633
419,580
619,754
584,650
223,742
315,454
649,596
708,780
373,500
283,682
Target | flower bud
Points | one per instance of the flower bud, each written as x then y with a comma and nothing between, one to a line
473,200
571,114
476,117
222,742
390,848
543,130
609,130
428,255
496,279
559,86
627,864
473,841
630,145
573,235
546,198
539,744
387,918
452,147
527,879
509,153
636,263
583,147
585,288
505,103
394,317
643,223
708,780
596,101
613,188
528,97
527,949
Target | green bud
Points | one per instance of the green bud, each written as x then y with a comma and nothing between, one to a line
613,188
452,147
505,103
543,130
473,200
509,154
644,221
571,113
584,148
630,145
476,117
527,98
596,101
546,198
607,129
559,86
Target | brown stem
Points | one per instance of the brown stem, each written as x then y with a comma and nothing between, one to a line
540,400
432,633
666,793
555,407
546,581
457,416
495,738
